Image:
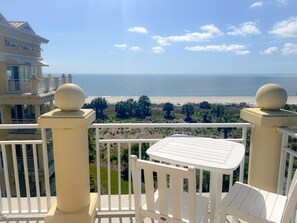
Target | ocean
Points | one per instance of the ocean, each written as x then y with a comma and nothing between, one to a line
180,85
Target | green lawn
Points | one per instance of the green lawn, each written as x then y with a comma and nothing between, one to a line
114,180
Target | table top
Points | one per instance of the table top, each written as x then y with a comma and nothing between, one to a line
203,153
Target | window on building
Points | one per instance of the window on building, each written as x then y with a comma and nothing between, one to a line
35,71
25,73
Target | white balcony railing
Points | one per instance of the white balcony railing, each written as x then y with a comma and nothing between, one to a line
112,141
105,145
36,86
287,160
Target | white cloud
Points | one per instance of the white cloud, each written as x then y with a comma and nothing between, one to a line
245,29
135,48
236,49
210,29
121,46
270,50
137,29
158,49
211,32
257,5
242,52
289,49
285,28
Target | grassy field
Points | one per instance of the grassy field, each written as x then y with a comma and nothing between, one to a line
104,179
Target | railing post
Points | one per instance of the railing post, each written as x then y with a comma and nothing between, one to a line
56,82
47,83
266,141
69,125
63,79
69,78
34,85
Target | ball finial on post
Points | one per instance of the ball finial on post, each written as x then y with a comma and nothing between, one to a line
271,97
70,97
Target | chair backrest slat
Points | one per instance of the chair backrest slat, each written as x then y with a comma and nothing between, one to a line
170,183
177,198
149,189
162,189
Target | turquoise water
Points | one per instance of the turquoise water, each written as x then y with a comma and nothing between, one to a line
180,85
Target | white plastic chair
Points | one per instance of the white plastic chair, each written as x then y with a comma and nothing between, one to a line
166,200
254,205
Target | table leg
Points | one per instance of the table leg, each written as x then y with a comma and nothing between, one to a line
215,195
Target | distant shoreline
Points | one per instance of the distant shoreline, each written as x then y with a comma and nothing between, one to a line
180,100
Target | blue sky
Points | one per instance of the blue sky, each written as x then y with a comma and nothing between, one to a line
163,36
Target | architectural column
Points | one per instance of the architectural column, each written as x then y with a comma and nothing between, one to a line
265,144
6,114
63,79
69,78
47,83
56,80
69,126
37,111
51,105
34,85
43,108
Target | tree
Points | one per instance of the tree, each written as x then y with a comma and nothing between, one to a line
125,109
204,105
168,108
99,104
121,109
188,110
143,108
217,110
130,106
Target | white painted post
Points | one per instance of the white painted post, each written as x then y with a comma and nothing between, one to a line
34,85
64,79
69,78
47,83
69,125
56,81
265,145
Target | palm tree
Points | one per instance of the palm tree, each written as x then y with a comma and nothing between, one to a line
168,108
188,110
99,104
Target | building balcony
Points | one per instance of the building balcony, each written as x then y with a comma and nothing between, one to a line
36,86
110,175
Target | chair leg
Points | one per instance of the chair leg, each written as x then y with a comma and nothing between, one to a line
205,219
223,215
234,220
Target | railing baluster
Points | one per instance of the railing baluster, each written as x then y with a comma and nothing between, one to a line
290,170
45,166
27,184
1,196
129,178
36,172
282,164
241,169
6,176
139,151
231,180
98,169
200,181
119,177
108,176
16,177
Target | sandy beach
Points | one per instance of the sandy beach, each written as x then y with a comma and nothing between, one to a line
251,100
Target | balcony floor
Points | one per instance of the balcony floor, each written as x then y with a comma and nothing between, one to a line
112,218
101,217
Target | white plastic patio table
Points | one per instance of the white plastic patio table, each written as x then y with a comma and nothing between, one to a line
215,155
